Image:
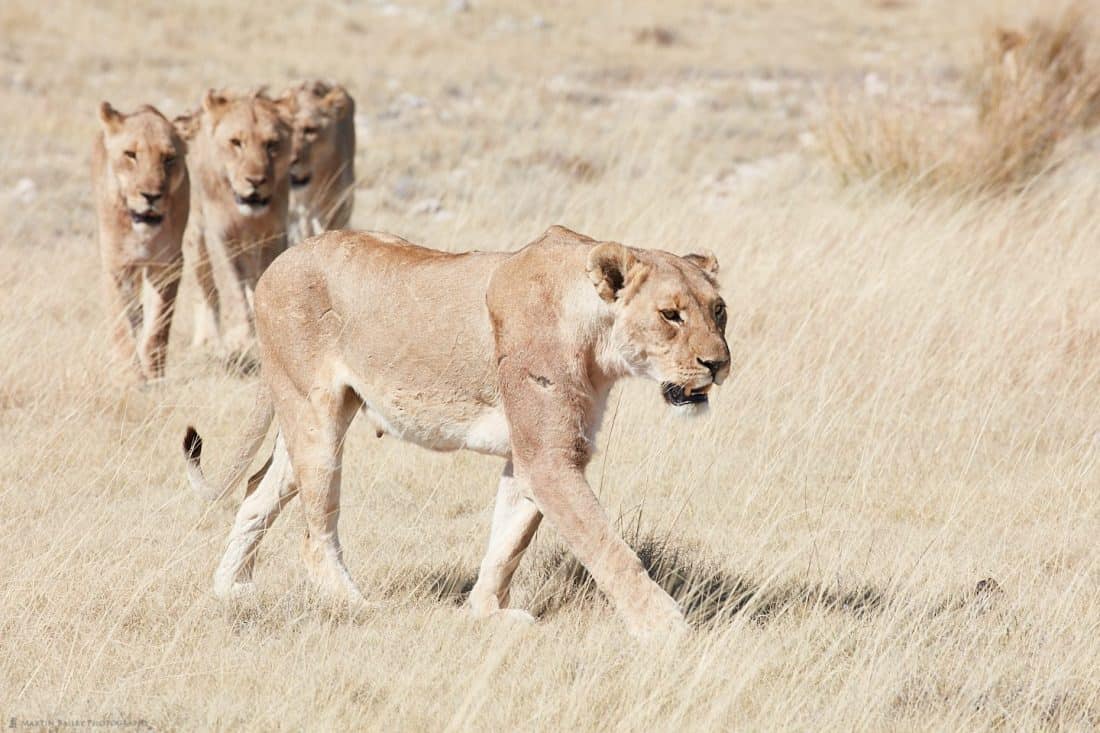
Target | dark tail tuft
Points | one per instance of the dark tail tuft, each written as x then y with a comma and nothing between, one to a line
192,445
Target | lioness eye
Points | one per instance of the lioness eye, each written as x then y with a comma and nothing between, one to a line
169,161
311,130
235,142
272,146
672,316
720,314
131,155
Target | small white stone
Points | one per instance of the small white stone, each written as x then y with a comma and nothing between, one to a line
25,190
426,206
874,86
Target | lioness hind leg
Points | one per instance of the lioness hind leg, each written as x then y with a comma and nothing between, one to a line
257,513
515,520
316,448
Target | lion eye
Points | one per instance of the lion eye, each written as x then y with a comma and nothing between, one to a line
235,142
132,155
272,146
720,314
311,130
672,316
169,161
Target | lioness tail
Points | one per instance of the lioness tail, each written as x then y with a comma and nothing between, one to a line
259,420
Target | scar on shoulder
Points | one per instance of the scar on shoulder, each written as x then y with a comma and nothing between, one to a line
540,380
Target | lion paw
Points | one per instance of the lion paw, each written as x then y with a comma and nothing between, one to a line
513,616
238,589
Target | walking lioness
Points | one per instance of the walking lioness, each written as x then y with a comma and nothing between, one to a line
142,202
239,155
510,354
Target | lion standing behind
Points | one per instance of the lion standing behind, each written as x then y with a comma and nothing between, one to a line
322,166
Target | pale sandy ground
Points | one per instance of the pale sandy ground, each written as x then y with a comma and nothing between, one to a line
915,405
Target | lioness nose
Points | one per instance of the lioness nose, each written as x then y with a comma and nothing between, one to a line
150,198
714,366
256,182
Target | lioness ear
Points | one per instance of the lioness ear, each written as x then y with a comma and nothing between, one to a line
705,261
609,265
335,101
286,98
186,126
286,107
214,102
109,117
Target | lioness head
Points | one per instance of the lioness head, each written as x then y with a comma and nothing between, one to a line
316,106
670,320
251,135
145,156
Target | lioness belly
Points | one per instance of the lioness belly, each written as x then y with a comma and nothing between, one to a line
487,432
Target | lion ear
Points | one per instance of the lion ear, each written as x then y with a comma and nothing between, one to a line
286,107
609,267
317,87
705,261
287,97
109,117
214,102
186,125
335,101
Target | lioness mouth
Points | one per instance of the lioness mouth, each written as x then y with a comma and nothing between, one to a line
676,394
254,200
149,218
299,181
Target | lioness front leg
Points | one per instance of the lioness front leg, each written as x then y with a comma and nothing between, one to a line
515,519
566,499
237,306
123,310
208,308
158,304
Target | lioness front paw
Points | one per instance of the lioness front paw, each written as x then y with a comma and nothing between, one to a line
512,616
230,590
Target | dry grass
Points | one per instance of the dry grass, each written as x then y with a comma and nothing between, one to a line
1036,90
915,408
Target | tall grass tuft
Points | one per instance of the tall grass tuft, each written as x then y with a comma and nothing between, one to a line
1035,90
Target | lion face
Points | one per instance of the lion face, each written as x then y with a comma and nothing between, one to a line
670,319
145,156
251,137
316,107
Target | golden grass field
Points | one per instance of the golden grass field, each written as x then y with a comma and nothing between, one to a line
914,409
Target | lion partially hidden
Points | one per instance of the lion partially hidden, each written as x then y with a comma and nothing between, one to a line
510,354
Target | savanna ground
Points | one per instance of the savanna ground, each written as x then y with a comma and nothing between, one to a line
888,520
